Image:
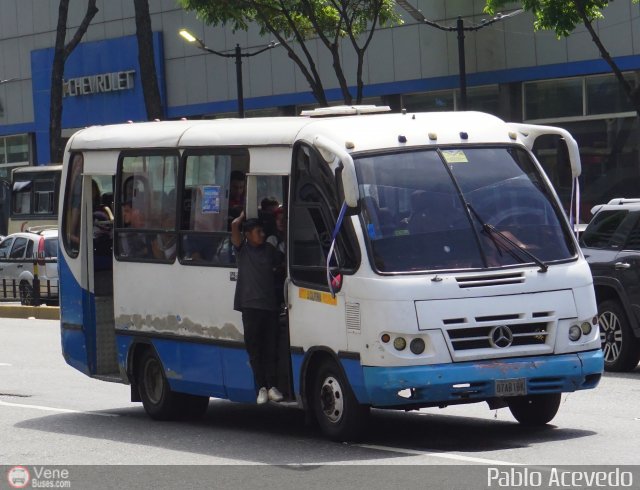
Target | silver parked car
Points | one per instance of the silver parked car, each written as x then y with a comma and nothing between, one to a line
21,256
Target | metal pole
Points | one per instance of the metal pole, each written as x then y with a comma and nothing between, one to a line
239,81
462,65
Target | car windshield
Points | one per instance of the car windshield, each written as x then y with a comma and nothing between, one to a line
465,208
601,232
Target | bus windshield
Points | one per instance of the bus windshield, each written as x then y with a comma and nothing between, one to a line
458,208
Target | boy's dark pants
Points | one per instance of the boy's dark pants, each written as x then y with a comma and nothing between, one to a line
261,341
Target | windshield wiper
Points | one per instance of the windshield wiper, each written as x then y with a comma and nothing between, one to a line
492,230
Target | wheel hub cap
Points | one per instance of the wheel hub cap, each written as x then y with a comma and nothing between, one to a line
153,381
331,399
610,336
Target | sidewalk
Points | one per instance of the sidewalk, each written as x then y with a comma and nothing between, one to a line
16,310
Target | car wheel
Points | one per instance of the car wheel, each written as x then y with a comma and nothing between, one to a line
534,410
620,347
158,400
26,294
340,416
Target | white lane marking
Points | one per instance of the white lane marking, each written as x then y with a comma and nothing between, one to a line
437,454
58,410
5,364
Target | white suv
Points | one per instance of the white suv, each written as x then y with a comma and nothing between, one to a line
18,254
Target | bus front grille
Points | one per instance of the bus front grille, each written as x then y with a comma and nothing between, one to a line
498,336
490,280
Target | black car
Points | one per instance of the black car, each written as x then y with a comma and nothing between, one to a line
611,245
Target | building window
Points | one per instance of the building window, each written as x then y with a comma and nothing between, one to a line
553,98
484,99
605,95
429,102
576,98
15,150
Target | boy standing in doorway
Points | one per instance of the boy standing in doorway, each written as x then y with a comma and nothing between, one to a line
255,298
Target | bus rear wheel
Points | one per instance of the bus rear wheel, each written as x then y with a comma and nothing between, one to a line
534,410
158,400
340,416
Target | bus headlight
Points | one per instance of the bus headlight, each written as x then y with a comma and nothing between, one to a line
586,328
417,346
574,333
399,343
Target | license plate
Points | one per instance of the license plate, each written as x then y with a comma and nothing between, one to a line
511,387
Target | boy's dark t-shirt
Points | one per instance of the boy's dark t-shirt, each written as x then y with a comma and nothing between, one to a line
255,283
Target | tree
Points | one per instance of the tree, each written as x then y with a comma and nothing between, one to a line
562,17
146,59
295,22
61,53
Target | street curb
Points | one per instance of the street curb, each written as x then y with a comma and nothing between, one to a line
37,312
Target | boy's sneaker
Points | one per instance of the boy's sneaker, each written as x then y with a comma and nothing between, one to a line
263,396
275,395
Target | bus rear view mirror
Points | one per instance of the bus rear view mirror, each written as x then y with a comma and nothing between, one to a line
529,133
329,151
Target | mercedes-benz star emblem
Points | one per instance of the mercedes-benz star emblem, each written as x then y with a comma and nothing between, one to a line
501,337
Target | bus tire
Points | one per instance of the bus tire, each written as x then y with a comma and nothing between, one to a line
620,347
534,410
340,416
26,294
158,400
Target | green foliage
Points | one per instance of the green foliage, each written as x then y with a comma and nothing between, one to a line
561,16
289,16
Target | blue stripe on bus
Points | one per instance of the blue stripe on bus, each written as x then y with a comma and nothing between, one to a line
476,380
78,346
200,369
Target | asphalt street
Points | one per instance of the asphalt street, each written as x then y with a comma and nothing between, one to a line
50,414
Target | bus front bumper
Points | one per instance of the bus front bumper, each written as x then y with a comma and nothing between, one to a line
476,381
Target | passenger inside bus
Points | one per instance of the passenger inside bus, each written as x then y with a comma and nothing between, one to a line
102,229
278,241
268,207
136,245
236,194
164,244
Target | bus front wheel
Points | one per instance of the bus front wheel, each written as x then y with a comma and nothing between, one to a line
534,410
340,416
158,400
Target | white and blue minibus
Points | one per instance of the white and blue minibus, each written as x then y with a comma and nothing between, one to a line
428,263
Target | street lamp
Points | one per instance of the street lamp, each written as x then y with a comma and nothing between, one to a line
7,80
237,54
460,28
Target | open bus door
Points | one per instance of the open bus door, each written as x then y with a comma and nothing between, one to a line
86,280
259,187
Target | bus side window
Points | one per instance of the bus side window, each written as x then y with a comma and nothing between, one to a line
146,230
73,206
43,196
204,208
22,197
